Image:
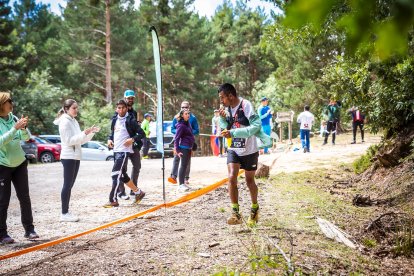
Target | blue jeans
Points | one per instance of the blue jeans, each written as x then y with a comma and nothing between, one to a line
304,137
266,129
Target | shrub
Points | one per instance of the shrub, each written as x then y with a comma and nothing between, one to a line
364,162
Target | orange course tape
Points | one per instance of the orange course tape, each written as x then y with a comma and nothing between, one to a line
183,199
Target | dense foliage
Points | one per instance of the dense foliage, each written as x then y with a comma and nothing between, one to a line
311,52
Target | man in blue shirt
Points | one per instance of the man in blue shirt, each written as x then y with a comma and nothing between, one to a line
185,105
265,114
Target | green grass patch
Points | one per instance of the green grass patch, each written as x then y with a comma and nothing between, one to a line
365,161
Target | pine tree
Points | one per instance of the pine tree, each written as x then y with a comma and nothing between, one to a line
7,47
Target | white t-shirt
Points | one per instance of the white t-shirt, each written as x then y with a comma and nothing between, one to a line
121,135
306,120
250,143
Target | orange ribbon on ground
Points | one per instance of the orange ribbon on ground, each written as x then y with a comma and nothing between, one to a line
183,199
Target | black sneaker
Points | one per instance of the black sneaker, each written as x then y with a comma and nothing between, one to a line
353,142
31,235
6,239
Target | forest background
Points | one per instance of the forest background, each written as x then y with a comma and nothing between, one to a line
358,52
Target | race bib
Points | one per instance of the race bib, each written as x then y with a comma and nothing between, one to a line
238,144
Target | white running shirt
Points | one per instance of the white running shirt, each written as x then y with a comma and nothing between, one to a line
306,120
251,143
121,135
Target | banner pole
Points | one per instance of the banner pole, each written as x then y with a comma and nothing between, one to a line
160,110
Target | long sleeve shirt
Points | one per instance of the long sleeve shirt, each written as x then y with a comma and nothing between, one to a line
193,122
11,152
72,138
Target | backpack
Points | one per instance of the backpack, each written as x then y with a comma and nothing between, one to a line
239,117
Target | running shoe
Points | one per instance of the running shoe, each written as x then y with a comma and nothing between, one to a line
123,196
183,188
139,196
68,217
6,239
111,204
31,235
235,218
172,180
254,217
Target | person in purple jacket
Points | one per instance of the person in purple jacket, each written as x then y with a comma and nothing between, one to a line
183,143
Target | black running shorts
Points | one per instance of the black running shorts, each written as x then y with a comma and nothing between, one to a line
247,162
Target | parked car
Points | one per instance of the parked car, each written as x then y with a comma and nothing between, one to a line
30,149
47,151
168,140
52,138
95,150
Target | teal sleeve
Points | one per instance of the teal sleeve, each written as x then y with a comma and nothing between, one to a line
246,132
7,137
223,123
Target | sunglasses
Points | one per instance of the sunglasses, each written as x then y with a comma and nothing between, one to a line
185,106
10,101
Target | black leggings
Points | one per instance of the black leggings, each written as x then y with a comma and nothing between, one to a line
355,125
18,176
184,161
331,127
70,172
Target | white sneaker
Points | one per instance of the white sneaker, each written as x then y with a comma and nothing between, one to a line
68,217
183,188
124,196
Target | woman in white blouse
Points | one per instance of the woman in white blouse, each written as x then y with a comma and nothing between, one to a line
71,140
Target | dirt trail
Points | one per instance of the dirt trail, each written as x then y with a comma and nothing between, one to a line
189,239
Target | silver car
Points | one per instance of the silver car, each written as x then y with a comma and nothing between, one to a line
96,151
168,140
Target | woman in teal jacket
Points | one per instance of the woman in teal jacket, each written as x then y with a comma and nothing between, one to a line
13,168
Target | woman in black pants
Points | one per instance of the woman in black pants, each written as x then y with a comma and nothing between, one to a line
13,169
71,140
183,144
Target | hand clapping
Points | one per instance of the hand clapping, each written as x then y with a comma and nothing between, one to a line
21,123
92,129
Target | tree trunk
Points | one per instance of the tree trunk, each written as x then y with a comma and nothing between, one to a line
108,87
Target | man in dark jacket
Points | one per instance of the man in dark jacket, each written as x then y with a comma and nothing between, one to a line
129,97
357,121
333,112
125,134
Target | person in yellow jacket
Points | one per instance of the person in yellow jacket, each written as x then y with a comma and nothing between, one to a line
146,128
244,133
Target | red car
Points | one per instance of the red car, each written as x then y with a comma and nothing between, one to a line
47,151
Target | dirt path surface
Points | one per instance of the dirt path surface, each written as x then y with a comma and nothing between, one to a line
192,238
